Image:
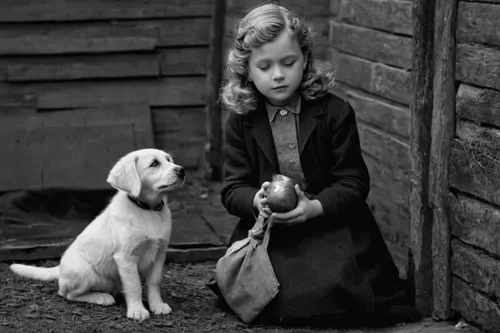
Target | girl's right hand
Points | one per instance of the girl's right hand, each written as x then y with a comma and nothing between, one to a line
260,201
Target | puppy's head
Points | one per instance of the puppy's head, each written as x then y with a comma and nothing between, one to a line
146,173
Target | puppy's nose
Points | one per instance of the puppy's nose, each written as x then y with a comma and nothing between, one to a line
180,171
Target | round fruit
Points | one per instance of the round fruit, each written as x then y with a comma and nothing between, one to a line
281,195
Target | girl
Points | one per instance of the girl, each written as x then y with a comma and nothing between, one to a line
328,254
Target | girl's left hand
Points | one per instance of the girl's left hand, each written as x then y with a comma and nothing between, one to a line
305,210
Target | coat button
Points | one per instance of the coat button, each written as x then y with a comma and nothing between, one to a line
283,112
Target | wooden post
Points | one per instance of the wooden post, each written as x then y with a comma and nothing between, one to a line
213,110
420,255
443,129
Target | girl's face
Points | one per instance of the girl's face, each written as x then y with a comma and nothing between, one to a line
276,69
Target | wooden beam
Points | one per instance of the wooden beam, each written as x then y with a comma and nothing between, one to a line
214,76
442,133
420,255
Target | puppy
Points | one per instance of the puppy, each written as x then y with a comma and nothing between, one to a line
127,240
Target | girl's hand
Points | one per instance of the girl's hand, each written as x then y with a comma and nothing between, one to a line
306,209
260,201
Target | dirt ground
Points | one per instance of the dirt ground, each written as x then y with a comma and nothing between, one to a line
34,306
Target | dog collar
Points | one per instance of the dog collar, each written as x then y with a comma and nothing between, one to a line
145,206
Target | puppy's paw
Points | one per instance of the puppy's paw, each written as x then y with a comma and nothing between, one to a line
137,313
160,308
105,299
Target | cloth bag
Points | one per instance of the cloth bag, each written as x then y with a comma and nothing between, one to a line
245,275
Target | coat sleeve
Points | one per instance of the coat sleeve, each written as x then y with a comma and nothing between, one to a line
351,180
237,192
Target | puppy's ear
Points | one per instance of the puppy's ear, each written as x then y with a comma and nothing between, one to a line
123,176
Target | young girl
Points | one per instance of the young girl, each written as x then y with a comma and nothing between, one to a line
328,254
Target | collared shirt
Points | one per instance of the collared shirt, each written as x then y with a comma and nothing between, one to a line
284,125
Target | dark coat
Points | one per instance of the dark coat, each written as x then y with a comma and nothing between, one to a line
331,266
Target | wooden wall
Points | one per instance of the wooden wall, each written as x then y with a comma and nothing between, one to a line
148,56
475,166
372,48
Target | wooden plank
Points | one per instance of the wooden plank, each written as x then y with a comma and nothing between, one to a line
479,105
183,61
372,44
392,83
57,165
479,65
475,307
394,183
476,267
386,81
475,222
298,7
357,72
82,10
380,113
98,37
478,23
187,150
214,149
169,91
76,38
14,101
392,218
385,147
475,166
420,254
83,67
388,15
100,136
442,132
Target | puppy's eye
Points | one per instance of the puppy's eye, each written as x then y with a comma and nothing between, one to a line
154,164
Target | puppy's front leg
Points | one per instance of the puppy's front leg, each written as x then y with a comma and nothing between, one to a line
131,281
153,280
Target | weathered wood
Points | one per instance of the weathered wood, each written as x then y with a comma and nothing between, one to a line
183,61
384,147
392,218
372,44
475,166
420,254
100,136
477,268
386,81
475,222
82,10
98,37
380,113
394,183
187,150
82,67
478,64
479,105
169,91
478,23
13,101
391,83
443,123
299,7
388,15
475,307
214,146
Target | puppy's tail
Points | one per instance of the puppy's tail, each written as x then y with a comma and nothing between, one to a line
37,273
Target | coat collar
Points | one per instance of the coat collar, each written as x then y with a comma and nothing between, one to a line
261,129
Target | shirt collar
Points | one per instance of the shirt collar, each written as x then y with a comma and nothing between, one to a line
293,107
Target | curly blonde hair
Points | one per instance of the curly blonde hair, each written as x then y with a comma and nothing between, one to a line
261,25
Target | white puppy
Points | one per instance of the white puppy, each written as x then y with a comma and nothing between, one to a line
128,239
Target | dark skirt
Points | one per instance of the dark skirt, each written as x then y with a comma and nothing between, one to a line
336,273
